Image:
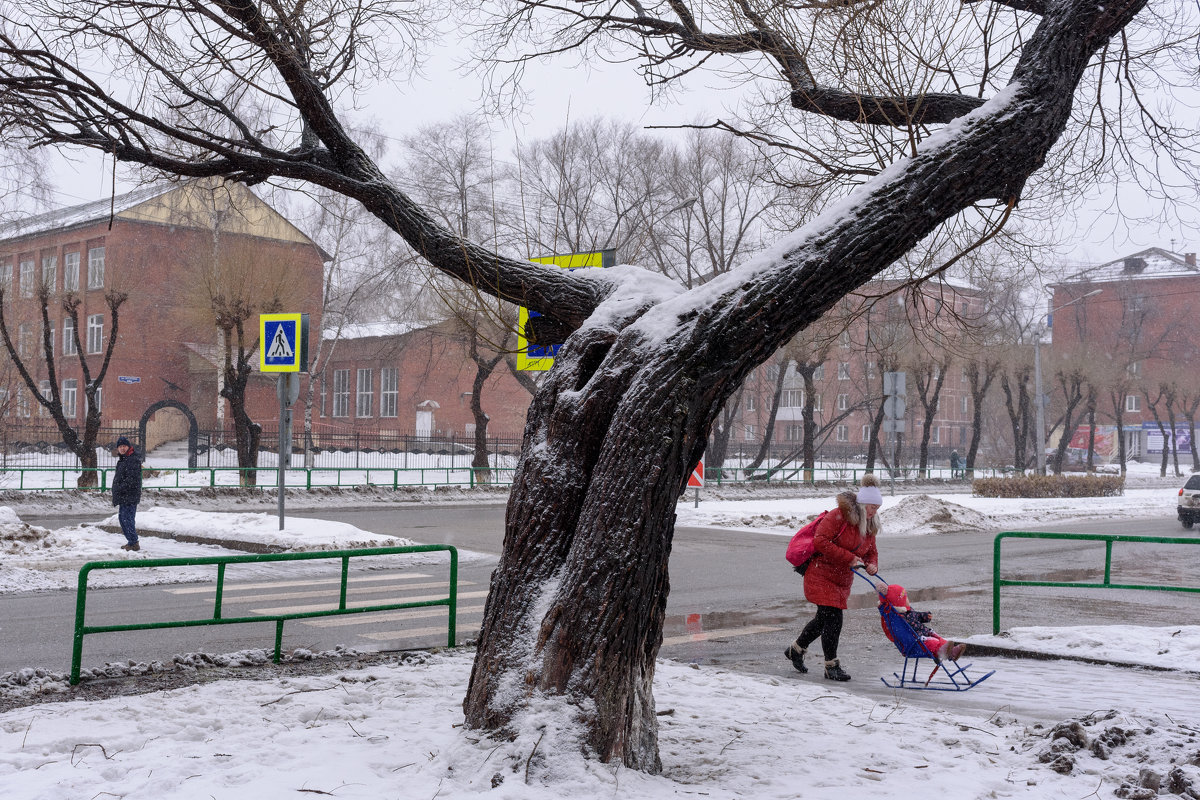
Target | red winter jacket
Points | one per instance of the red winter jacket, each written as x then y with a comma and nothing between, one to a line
838,543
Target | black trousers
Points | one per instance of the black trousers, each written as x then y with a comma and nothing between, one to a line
827,625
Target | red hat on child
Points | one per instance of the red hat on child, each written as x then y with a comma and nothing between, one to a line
897,597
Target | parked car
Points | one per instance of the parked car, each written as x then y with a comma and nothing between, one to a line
1189,501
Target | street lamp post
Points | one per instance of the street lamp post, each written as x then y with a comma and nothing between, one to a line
1038,400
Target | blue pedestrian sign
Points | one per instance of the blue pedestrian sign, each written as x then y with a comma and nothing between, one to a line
283,342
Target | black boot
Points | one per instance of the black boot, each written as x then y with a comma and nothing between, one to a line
796,654
834,671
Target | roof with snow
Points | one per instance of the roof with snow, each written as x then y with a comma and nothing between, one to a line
367,330
1150,264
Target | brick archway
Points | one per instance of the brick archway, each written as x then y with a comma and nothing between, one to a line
193,428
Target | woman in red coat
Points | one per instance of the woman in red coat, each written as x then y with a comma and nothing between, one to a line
844,539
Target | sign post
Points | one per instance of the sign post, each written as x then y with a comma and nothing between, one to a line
696,480
893,414
283,349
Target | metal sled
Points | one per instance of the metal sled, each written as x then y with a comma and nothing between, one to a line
950,675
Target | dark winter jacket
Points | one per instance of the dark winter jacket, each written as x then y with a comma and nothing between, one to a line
127,482
837,543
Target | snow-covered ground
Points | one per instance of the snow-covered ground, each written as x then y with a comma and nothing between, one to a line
395,730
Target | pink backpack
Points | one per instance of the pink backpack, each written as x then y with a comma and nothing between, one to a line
802,548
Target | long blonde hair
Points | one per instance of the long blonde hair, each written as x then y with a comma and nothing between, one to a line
867,526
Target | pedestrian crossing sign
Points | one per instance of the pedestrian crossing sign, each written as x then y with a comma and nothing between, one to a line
283,342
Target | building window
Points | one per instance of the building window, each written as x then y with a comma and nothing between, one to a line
965,377
96,268
750,404
1134,369
389,391
793,433
935,435
22,403
6,275
792,398
816,402
71,272
68,347
773,372
870,369
866,433
24,340
819,373
364,393
1133,403
69,390
99,400
844,371
937,371
844,339
95,333
843,403
750,433
44,389
341,393
27,278
50,273
966,401
843,433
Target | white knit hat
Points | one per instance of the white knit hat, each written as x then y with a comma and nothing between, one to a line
869,492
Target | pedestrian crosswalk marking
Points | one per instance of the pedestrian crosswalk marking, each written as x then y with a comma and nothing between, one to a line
720,633
471,627
363,603
384,616
244,587
333,592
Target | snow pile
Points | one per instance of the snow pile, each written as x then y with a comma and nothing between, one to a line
19,537
921,514
262,530
1176,647
373,732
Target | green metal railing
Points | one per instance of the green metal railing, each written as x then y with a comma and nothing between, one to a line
29,478
82,629
1107,583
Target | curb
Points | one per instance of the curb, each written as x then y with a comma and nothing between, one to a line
1036,655
230,544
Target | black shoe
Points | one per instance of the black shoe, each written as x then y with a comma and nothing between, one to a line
834,672
134,546
797,658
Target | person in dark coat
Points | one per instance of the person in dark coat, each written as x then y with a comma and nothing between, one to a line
954,463
844,540
127,491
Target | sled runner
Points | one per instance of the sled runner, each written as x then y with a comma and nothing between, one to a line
950,675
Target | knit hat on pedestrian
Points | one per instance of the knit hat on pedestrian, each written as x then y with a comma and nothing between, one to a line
869,492
897,597
124,441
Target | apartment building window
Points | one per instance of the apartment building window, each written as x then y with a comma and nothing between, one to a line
843,433
50,273
71,272
341,393
389,391
1133,402
95,333
6,275
965,377
27,278
935,435
792,398
750,404
365,393
750,430
844,371
22,403
24,340
966,404
816,402
68,346
866,436
844,339
44,389
793,433
773,372
70,388
1134,369
96,268
843,403
819,373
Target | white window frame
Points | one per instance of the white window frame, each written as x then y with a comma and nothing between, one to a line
843,403
1133,403
341,393
792,398
70,395
816,401
71,272
27,278
364,393
749,401
24,338
866,433
843,370
95,334
843,433
935,435
95,267
844,340
750,429
819,373
389,392
966,404
68,342
44,388
50,273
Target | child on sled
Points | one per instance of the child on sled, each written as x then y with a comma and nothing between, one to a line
897,598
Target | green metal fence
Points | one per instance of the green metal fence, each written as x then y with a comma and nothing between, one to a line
82,629
1107,583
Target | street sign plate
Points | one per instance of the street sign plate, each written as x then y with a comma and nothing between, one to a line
128,379
540,357
893,383
282,343
894,408
893,426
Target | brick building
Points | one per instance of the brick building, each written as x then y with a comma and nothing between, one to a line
167,248
1132,322
402,381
